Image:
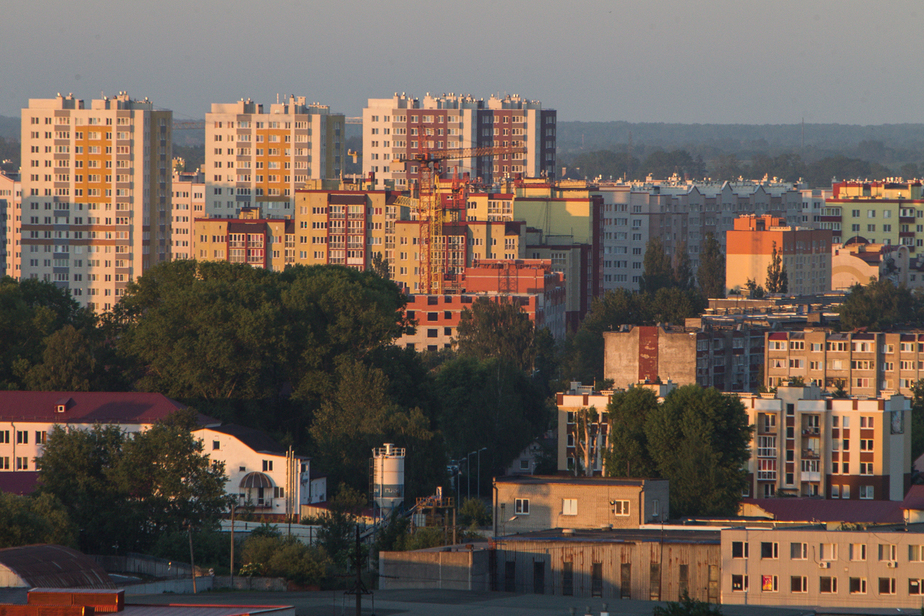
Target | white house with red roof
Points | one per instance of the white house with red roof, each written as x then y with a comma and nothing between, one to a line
26,417
268,480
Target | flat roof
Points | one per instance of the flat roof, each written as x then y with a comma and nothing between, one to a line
628,535
545,479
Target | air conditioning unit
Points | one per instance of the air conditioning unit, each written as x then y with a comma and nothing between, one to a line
891,564
824,565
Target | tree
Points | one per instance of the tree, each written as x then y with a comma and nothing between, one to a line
917,419
878,306
67,364
380,266
687,607
683,269
711,271
497,329
777,278
151,482
699,438
657,273
627,453
338,525
489,404
755,291
587,437
26,520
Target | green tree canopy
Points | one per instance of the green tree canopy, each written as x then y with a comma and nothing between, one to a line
658,272
628,452
777,277
711,271
699,438
878,306
499,329
151,483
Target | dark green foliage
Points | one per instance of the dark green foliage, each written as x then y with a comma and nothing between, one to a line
285,557
878,306
474,513
124,491
628,454
658,273
489,404
777,277
698,439
337,535
917,420
687,607
497,329
711,271
25,520
755,291
211,547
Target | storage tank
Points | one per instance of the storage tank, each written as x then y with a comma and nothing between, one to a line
388,476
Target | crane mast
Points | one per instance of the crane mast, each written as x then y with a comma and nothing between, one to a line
431,214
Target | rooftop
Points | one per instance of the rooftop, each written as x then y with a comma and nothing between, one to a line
67,407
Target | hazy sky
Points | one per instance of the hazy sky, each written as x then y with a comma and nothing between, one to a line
711,61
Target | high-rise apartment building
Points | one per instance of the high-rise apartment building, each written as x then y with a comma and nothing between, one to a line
883,212
10,214
96,186
257,158
188,205
394,129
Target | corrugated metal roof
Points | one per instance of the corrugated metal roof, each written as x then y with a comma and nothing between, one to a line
54,566
824,510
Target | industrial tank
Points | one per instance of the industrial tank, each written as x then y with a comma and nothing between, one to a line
388,476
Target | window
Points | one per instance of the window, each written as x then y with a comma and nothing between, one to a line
22,437
521,506
216,445
267,465
769,583
798,551
888,552
22,464
886,586
867,492
739,549
569,506
827,551
798,583
621,508
739,583
827,585
769,550
40,437
857,586
914,586
916,553
857,551
279,492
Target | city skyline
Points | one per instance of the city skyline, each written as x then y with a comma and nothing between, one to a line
775,63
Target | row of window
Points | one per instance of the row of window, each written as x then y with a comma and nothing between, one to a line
569,506
770,550
826,584
22,437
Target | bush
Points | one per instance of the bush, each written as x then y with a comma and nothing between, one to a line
284,557
474,513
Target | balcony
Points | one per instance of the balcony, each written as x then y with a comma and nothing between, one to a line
766,452
810,454
766,475
811,431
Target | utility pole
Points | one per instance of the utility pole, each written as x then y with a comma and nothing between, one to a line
359,589
232,546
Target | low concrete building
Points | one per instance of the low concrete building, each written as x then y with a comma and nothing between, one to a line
449,568
881,568
652,564
533,503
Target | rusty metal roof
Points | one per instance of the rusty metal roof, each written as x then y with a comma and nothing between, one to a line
54,566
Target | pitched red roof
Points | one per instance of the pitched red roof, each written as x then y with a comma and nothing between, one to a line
89,407
19,482
914,499
824,510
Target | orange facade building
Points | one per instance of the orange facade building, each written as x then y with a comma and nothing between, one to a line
806,254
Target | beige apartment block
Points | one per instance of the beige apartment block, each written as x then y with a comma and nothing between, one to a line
876,568
96,185
347,227
527,503
251,239
862,363
188,205
806,444
257,158
10,218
